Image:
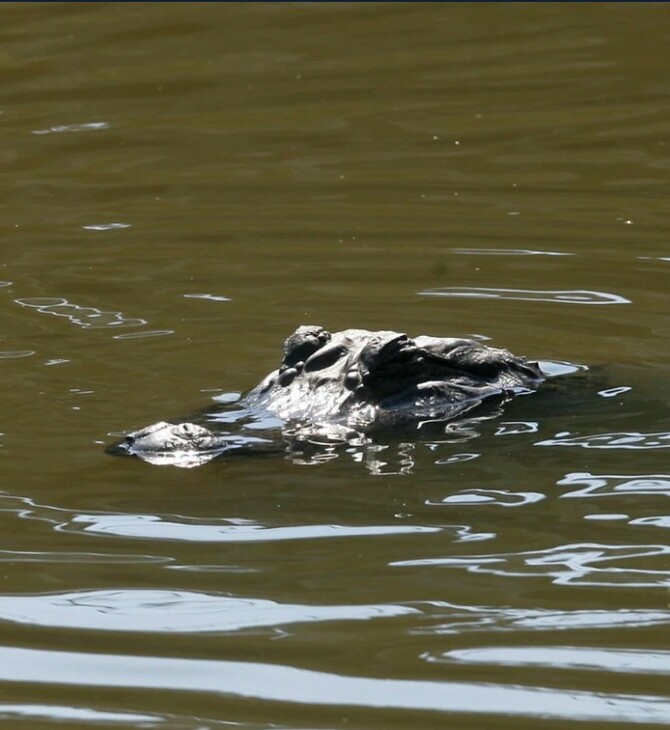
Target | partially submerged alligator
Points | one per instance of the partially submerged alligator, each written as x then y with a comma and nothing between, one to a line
342,388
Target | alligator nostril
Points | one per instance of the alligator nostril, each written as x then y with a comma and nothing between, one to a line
325,357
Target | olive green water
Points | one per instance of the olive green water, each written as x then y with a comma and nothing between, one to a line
184,184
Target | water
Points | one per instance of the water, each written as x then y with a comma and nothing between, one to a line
184,185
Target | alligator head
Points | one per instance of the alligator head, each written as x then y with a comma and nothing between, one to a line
342,386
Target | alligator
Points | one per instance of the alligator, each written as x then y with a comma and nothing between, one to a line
342,388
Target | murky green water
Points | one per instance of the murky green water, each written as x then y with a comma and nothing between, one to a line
183,185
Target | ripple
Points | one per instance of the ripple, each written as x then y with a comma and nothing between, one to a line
653,521
282,683
457,619
563,657
144,333
60,713
608,485
500,498
212,297
578,564
624,440
86,317
175,611
231,397
87,127
508,428
457,458
37,556
507,252
576,296
556,368
106,226
613,392
12,354
232,530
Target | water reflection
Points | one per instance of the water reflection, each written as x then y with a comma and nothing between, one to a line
143,333
457,458
508,252
527,295
301,158
612,485
87,317
579,564
283,683
11,354
176,611
652,521
86,127
508,428
489,497
457,619
79,558
613,392
564,657
182,528
106,226
626,440
230,530
211,297
63,713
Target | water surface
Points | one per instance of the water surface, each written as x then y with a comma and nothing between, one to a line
184,185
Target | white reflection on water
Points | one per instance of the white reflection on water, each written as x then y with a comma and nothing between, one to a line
622,440
457,619
457,458
509,428
106,226
577,564
508,252
143,333
177,527
86,127
653,521
497,497
614,392
230,530
576,296
176,611
211,297
60,713
87,317
10,354
281,683
563,657
613,485
52,556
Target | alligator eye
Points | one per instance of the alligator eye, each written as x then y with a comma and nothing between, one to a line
352,380
286,377
325,357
